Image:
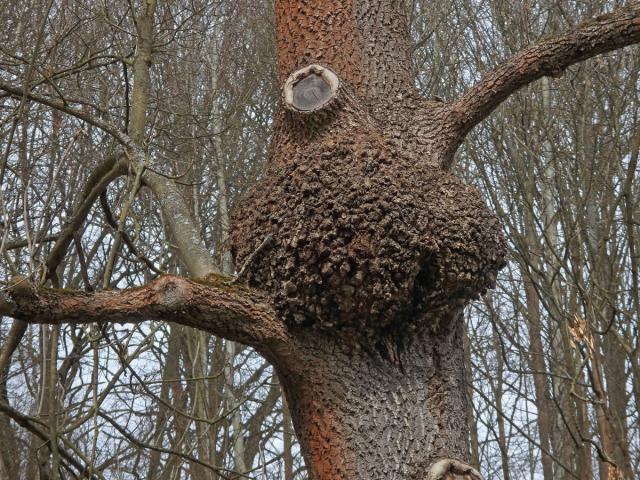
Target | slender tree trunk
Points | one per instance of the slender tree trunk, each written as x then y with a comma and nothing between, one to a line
9,458
471,419
541,385
287,434
536,354
496,386
169,377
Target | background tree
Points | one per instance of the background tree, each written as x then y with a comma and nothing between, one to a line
407,273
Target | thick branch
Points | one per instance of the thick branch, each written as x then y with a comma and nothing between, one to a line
548,58
183,230
235,313
16,244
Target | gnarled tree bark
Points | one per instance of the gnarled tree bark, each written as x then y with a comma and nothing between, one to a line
359,247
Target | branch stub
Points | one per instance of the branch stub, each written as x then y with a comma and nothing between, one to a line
310,89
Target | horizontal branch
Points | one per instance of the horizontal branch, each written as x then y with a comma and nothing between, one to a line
16,244
550,57
233,312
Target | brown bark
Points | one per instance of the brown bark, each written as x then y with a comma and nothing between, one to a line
393,422
233,312
365,42
363,237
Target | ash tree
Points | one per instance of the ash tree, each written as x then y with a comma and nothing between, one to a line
356,251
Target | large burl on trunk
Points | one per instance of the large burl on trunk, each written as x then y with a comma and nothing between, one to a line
369,248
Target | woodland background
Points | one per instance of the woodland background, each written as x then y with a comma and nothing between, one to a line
553,353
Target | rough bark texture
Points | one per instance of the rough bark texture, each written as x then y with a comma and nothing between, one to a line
358,416
211,304
373,249
373,245
365,238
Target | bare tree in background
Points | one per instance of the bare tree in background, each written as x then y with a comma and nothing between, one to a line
356,250
570,142
196,402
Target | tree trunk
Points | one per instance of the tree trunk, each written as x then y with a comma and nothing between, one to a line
359,416
352,213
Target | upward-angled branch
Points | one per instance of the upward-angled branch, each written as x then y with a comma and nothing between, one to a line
233,312
183,230
550,57
185,233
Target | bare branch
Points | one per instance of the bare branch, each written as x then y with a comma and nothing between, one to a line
183,230
36,427
110,169
108,214
16,244
185,233
106,127
140,444
550,57
237,313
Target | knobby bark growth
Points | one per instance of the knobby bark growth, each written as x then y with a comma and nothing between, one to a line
359,248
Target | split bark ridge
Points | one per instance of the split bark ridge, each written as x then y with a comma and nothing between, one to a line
365,246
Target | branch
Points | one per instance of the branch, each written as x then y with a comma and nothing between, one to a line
147,446
183,230
36,427
550,57
236,313
105,173
16,244
106,127
108,215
